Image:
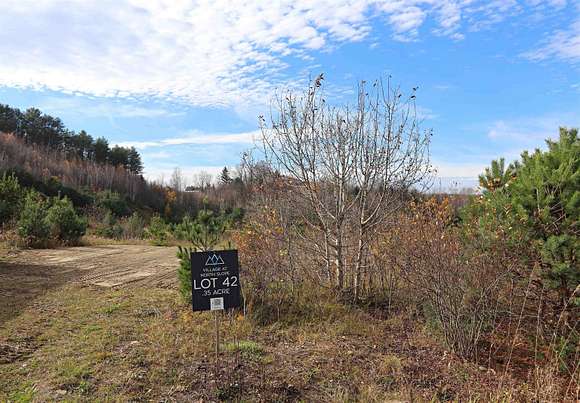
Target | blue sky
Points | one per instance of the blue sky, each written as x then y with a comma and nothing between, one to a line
184,81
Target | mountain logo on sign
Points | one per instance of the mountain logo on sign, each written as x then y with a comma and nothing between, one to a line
214,260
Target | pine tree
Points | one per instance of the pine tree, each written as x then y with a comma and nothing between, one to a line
546,200
540,208
204,233
135,164
225,177
101,150
497,176
119,156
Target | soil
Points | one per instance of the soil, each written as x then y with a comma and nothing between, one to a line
27,274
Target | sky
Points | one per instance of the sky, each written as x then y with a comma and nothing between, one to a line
184,81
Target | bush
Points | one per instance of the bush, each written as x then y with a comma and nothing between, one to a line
52,187
545,198
182,229
114,203
11,197
204,233
134,227
457,286
184,271
33,229
539,209
110,228
65,224
158,231
233,216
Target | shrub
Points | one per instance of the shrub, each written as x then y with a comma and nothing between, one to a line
539,208
204,233
158,231
52,187
11,197
280,281
64,222
458,285
114,203
33,228
545,198
184,271
182,229
110,228
234,216
134,227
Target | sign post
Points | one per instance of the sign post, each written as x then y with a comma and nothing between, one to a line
215,284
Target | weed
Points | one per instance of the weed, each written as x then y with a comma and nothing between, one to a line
72,375
390,364
111,309
249,349
24,395
229,392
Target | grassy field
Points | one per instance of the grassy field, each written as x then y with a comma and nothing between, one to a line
84,343
64,338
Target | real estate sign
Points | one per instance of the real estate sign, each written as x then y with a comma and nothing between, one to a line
215,280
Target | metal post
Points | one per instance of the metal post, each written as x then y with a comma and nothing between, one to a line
217,338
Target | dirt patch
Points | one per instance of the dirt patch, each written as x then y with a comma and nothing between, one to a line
16,349
29,273
107,266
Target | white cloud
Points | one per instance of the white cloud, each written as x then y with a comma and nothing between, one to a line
550,3
157,155
163,173
458,170
561,44
195,137
531,132
90,109
424,114
205,53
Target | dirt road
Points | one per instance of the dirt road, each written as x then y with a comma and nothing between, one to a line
30,273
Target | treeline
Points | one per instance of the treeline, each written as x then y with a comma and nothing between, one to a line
43,164
39,167
37,128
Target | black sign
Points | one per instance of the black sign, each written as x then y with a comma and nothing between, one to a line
215,280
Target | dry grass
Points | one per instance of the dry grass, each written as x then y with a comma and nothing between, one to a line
85,343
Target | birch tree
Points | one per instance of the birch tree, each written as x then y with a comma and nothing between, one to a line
350,167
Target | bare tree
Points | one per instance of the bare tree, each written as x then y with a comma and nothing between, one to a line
202,179
351,167
176,182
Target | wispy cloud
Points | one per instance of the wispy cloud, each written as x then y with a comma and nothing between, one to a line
209,53
443,87
89,108
530,132
157,155
425,114
198,138
562,44
458,170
